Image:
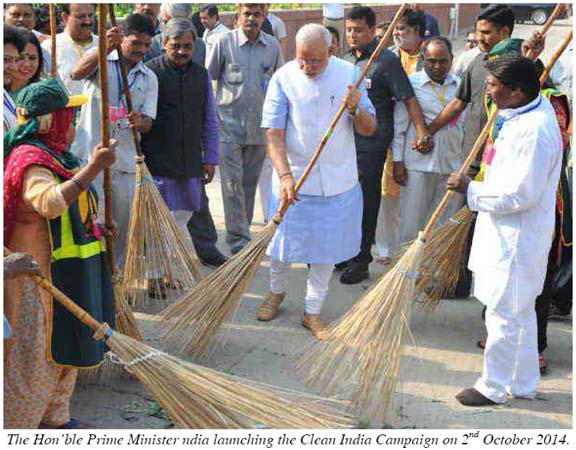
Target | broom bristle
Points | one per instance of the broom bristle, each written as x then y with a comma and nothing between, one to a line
192,322
363,349
442,259
197,397
156,248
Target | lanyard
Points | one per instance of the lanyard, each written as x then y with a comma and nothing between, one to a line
440,96
119,80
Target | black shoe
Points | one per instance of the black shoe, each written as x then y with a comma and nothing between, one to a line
237,247
342,265
355,273
215,260
471,397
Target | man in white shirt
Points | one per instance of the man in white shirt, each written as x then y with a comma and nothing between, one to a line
325,226
513,234
22,15
211,20
278,28
72,43
423,176
138,33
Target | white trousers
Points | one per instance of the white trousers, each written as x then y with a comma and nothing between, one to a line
316,287
418,200
265,185
388,228
511,356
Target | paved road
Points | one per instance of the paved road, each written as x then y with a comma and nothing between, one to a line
441,361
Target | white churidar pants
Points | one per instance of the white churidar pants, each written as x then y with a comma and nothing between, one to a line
511,355
316,287
388,228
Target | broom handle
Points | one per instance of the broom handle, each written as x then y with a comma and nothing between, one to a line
45,284
105,127
125,85
484,134
330,130
53,68
557,53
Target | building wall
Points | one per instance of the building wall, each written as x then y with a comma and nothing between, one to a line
294,19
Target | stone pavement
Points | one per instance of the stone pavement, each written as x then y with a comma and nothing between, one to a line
441,360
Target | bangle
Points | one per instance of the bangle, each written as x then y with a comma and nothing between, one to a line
77,183
285,174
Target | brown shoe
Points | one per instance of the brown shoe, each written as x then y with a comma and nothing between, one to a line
471,397
315,324
268,309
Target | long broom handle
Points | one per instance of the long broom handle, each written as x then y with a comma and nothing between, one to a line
53,68
105,127
125,85
332,126
45,284
491,119
555,56
484,134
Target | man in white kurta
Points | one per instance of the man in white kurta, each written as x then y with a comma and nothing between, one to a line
423,176
514,228
323,227
72,44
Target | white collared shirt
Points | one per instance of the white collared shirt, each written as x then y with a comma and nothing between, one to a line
144,92
68,53
446,157
304,107
210,36
516,206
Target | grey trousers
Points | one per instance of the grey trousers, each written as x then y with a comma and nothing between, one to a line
418,200
240,167
123,184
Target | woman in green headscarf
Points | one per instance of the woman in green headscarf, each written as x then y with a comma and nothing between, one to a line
49,212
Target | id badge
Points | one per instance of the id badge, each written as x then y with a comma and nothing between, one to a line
117,113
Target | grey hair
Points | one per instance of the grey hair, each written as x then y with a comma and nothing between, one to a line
176,10
178,27
313,32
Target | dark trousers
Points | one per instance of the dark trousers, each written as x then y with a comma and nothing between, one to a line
202,230
370,168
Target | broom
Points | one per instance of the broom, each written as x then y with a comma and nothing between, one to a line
197,397
197,317
364,347
155,244
445,250
53,66
125,321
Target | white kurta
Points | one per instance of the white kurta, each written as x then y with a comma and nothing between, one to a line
515,205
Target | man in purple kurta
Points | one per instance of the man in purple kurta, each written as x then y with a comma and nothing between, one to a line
181,149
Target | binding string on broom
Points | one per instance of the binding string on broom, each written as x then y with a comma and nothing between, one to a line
445,251
197,397
491,119
363,349
53,65
199,314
